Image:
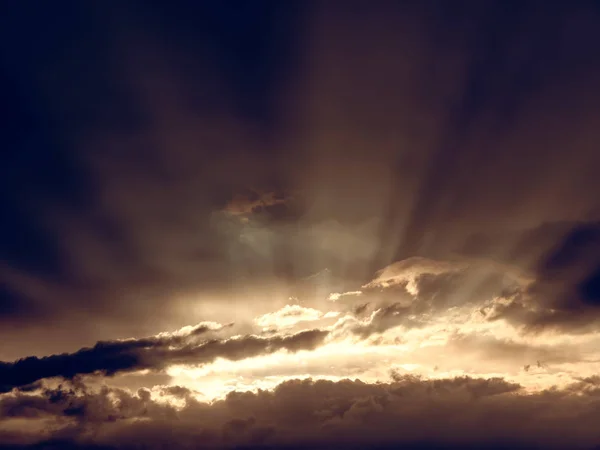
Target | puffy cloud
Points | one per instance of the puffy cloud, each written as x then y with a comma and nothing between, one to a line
408,411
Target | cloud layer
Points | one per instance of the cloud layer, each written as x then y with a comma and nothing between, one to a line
408,411
156,353
392,205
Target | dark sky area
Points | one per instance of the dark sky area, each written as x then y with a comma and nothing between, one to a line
172,163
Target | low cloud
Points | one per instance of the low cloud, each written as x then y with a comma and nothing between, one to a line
156,353
408,411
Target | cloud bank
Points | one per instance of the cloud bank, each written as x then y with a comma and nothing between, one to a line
407,411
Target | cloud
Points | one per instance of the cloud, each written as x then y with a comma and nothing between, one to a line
407,411
112,357
260,204
572,268
144,209
335,296
383,319
559,292
291,315
564,292
418,291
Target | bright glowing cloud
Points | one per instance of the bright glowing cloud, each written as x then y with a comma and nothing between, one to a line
335,296
291,315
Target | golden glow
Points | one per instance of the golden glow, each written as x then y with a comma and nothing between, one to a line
459,342
456,339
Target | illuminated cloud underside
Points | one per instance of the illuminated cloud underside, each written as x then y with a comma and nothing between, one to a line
461,340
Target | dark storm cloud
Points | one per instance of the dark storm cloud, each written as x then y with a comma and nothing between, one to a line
400,129
408,411
464,130
129,126
112,357
504,103
564,294
108,357
575,262
556,289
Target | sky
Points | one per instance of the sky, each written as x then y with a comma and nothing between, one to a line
300,225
